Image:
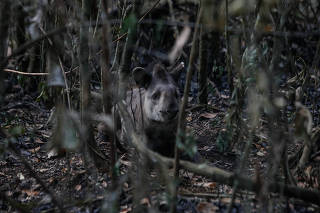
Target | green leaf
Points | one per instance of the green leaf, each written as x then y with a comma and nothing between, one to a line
188,146
17,131
129,23
159,27
224,140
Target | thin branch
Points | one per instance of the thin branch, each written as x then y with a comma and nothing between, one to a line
29,73
140,20
66,83
26,73
181,118
29,44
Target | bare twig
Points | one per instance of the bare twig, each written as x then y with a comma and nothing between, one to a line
29,73
26,73
146,13
228,55
106,83
140,20
29,44
181,117
65,82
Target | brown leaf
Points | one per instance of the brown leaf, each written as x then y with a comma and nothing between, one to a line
208,115
104,184
51,180
189,118
307,171
261,154
210,185
31,192
301,184
43,170
228,200
20,176
125,210
36,160
78,187
145,201
258,146
224,96
34,150
205,207
38,140
126,163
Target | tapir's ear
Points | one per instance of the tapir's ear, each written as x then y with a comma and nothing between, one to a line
176,71
141,77
160,72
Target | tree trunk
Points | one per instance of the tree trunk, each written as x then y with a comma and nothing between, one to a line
4,30
202,75
85,77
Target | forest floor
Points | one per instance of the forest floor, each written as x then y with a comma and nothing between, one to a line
83,191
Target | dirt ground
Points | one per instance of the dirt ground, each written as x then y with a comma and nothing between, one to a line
84,191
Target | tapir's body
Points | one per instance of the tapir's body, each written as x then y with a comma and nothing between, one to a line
154,107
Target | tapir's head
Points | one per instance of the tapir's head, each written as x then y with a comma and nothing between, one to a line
162,96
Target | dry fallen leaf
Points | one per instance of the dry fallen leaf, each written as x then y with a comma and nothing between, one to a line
126,163
20,176
307,171
104,184
43,170
189,118
78,187
34,150
208,115
125,210
145,201
205,207
210,185
258,146
125,185
30,192
261,154
37,140
51,180
52,153
224,96
228,200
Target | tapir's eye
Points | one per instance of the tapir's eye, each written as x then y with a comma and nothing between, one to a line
155,95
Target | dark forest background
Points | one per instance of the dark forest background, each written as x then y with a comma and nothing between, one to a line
250,109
